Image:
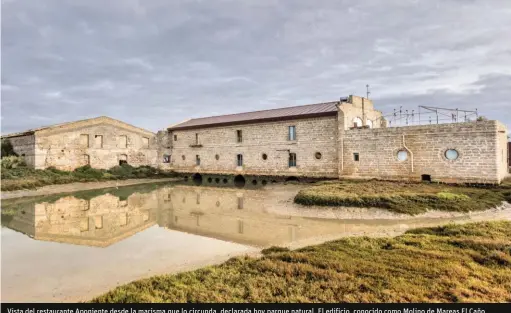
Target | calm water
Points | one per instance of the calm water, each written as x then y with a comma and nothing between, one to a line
73,247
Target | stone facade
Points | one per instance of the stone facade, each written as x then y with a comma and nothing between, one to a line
100,142
354,143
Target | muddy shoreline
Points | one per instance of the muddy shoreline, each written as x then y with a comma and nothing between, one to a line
74,187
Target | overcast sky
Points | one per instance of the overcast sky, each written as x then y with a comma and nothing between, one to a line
153,63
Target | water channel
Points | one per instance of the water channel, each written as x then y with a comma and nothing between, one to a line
76,246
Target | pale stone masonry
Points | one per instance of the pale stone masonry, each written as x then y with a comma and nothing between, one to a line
352,142
100,142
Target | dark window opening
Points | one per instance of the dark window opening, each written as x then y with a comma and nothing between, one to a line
239,181
175,137
318,155
217,157
292,159
292,133
426,177
196,139
166,158
239,159
121,162
356,157
197,179
254,182
264,156
240,203
217,180
225,181
210,179
197,160
264,182
239,136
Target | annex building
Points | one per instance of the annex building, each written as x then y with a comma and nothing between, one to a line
100,142
340,139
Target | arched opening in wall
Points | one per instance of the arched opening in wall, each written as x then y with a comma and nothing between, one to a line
273,181
210,179
264,182
357,122
197,179
254,182
369,123
292,179
225,181
239,181
186,178
123,159
426,177
217,180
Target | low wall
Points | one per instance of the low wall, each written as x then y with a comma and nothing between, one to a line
477,145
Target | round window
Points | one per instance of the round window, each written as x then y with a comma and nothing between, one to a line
264,156
217,157
318,155
451,154
183,157
402,155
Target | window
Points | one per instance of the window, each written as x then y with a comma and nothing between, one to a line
175,137
240,203
369,123
292,133
317,155
183,157
166,158
451,154
217,157
357,122
86,159
264,156
123,141
145,142
239,136
240,227
197,160
196,138
98,222
402,155
239,159
356,157
292,159
98,141
84,140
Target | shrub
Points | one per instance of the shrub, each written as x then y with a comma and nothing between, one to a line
7,148
12,161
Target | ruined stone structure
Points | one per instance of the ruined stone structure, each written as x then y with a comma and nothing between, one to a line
101,142
343,139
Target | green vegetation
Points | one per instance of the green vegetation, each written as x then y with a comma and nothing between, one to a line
408,198
455,263
12,161
7,148
26,178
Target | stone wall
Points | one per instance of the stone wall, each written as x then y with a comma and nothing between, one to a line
502,153
217,148
24,146
101,145
476,142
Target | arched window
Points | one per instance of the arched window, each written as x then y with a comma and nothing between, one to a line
369,123
357,122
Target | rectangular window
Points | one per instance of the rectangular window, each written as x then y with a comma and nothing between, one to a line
84,140
356,157
123,141
197,160
292,133
175,137
292,160
166,158
145,142
240,159
98,141
240,203
239,136
240,227
196,139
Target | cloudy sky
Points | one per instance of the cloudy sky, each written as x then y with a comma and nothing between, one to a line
153,63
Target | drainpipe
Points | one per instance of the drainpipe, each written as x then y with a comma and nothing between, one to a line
409,151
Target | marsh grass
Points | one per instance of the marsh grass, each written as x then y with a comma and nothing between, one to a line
28,178
408,198
455,263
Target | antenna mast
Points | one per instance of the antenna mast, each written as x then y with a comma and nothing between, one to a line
367,92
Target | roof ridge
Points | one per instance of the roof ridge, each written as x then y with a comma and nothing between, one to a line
258,111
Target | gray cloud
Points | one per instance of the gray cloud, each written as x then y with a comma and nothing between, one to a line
153,63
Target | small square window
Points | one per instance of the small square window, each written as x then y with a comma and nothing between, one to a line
356,157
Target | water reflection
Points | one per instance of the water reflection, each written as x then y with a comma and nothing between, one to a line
252,217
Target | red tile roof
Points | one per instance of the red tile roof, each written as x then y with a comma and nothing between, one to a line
303,111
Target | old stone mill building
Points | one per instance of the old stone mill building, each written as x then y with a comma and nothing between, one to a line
339,139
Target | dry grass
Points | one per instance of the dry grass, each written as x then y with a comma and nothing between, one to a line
456,263
408,198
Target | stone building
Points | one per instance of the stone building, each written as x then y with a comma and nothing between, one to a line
341,139
101,142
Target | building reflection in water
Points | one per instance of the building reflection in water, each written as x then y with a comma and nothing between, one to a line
236,215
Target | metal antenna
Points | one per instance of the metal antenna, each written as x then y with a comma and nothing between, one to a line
367,92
